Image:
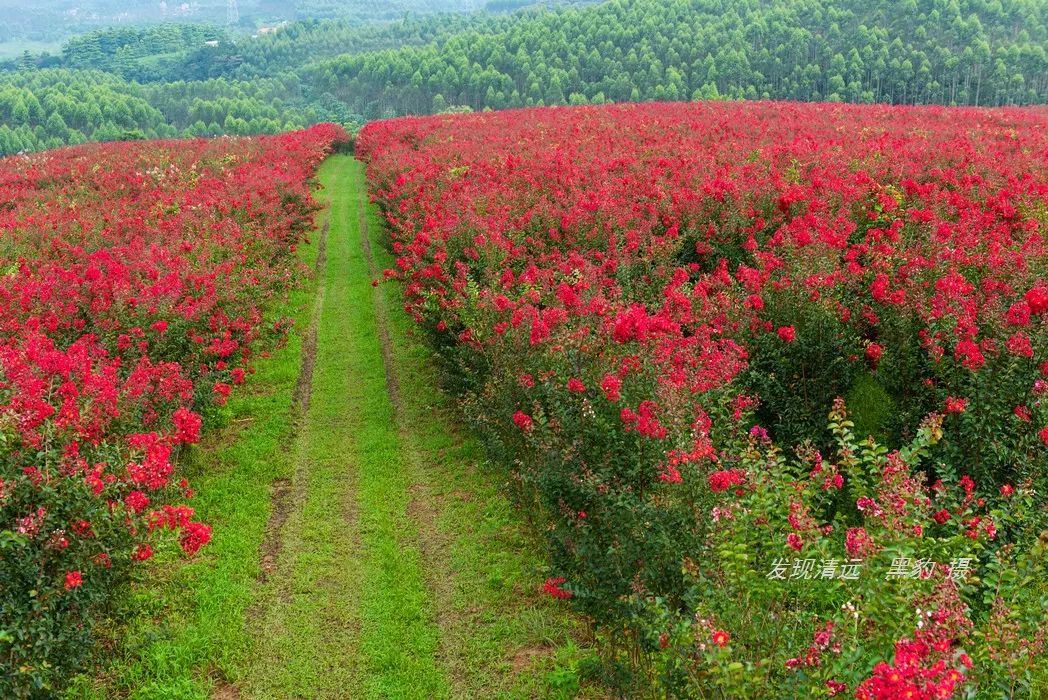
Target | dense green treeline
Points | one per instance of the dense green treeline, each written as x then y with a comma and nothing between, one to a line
173,52
984,52
304,42
46,109
173,80
50,108
301,43
144,54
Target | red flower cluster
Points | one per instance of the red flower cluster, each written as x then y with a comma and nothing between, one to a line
724,480
914,674
552,587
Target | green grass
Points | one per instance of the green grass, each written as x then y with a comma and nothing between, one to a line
403,570
358,615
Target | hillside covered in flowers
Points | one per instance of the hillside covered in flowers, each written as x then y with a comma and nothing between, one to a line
771,376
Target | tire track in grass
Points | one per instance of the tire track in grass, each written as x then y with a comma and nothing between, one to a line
353,618
422,509
307,637
284,499
400,638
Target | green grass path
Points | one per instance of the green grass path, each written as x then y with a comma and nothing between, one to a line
361,548
404,572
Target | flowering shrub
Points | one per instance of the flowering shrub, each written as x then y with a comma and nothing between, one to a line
134,281
620,292
816,592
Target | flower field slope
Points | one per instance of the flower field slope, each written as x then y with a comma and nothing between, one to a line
134,279
772,375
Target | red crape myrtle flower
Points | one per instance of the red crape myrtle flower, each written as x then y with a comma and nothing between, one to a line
724,480
1037,299
873,353
552,586
194,536
523,421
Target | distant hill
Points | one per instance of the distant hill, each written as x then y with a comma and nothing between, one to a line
201,79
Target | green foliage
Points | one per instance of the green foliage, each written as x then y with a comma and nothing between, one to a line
794,628
52,20
135,54
871,407
45,631
56,107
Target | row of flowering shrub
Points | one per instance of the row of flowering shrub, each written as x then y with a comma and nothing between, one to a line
134,277
650,311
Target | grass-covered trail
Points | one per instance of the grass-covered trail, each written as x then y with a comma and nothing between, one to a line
361,549
402,571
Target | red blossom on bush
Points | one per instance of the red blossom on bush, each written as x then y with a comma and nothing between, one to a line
194,536
1018,314
874,353
725,479
835,687
73,579
523,421
187,426
858,543
910,676
611,386
1037,299
142,552
136,501
553,587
